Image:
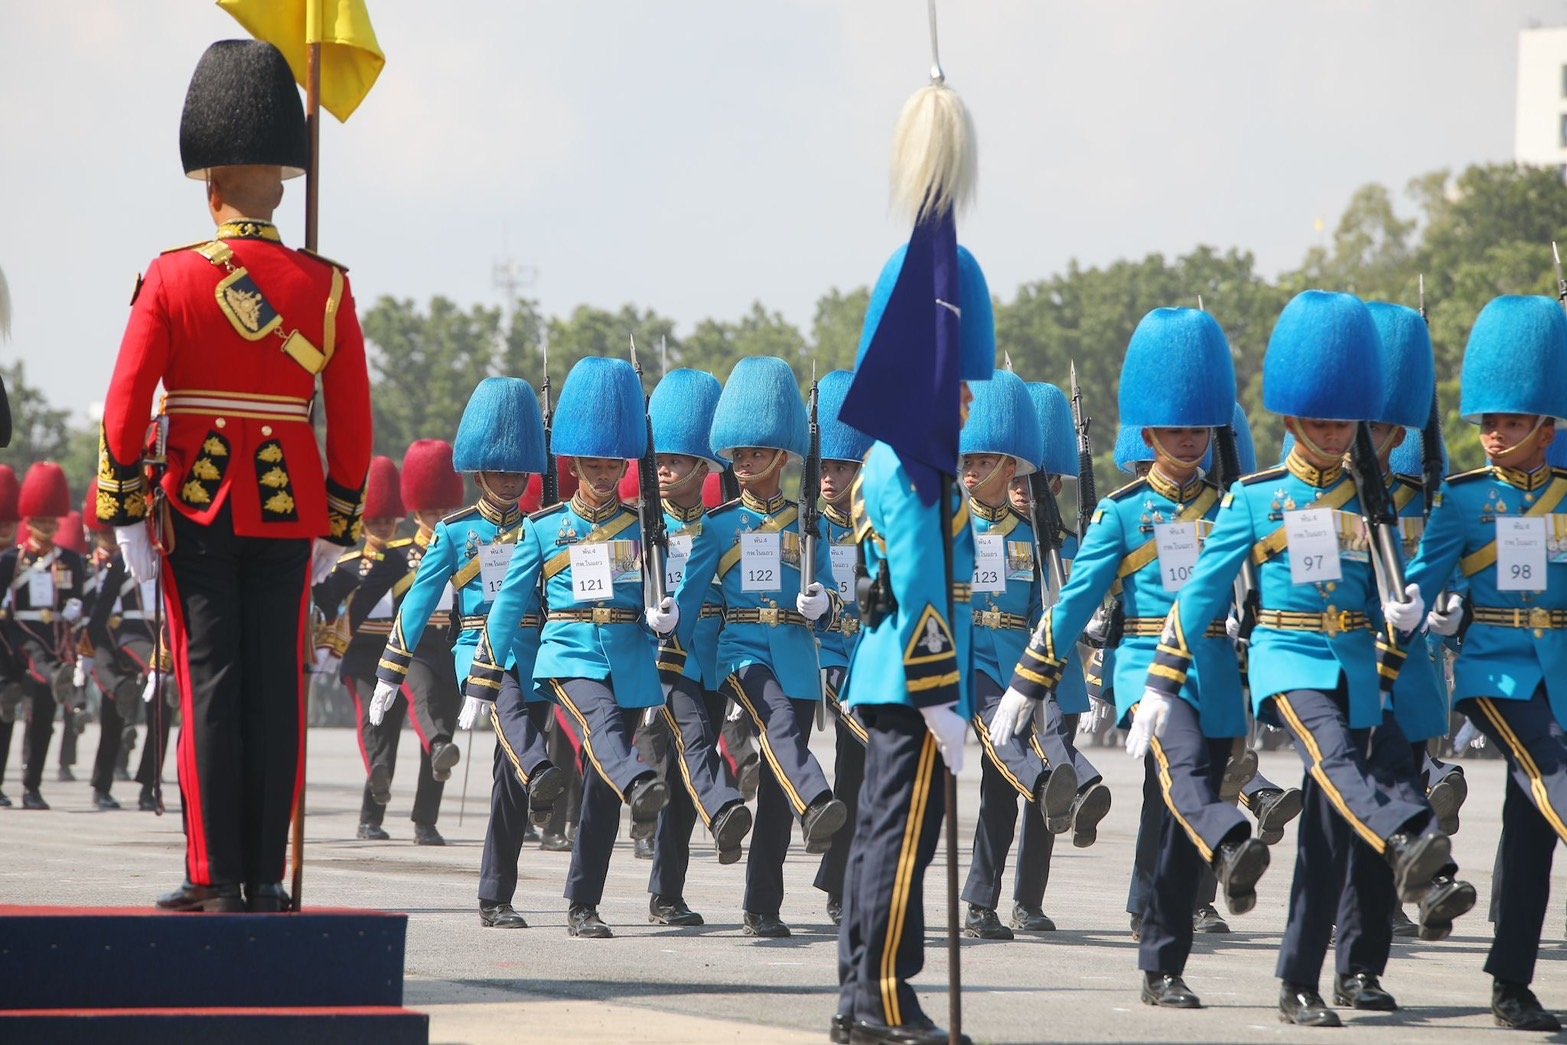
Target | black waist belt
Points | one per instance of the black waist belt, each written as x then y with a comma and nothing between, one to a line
995,620
1537,618
1330,623
772,616
597,615
1153,627
709,612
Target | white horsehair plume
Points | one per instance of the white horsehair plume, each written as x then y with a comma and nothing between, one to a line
5,309
935,154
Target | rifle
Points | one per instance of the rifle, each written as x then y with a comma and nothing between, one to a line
1376,507
549,482
1431,467
650,507
1561,281
811,513
1045,518
1086,497
1248,599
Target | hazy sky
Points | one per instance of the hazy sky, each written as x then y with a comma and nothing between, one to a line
696,155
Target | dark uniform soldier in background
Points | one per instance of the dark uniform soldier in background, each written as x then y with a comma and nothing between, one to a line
43,598
10,665
239,329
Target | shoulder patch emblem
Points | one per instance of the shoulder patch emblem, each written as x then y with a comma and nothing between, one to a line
932,640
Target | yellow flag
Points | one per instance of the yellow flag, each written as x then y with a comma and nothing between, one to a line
350,57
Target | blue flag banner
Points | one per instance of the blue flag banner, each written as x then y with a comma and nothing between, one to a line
905,387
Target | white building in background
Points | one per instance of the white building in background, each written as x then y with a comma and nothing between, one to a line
1540,115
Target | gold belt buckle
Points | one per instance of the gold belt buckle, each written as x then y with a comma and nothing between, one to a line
768,615
1539,620
850,626
46,616
989,619
601,614
115,621
1333,623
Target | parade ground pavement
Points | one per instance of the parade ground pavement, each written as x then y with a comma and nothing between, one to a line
712,984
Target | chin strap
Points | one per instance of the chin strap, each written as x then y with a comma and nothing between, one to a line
696,475
1161,453
1305,442
1528,443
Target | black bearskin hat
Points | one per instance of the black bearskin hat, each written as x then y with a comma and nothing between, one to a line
242,108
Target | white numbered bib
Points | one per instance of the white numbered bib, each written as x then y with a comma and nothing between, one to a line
845,558
675,560
383,609
760,562
40,588
447,599
494,559
591,579
1178,547
1313,546
1520,554
990,564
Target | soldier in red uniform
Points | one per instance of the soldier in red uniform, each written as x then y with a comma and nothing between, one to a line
239,329
11,693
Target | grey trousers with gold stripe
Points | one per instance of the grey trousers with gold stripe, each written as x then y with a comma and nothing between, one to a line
1534,821
519,753
881,941
1007,772
695,774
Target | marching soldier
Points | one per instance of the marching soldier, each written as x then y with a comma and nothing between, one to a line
117,651
843,449
767,648
1493,528
582,560
74,715
1177,385
1312,663
1002,439
681,411
43,586
11,671
239,329
500,441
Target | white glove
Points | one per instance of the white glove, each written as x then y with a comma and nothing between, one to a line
664,617
1446,615
472,708
1232,627
1152,713
1406,616
323,559
71,612
137,551
735,712
326,661
949,728
150,689
1012,716
83,669
1468,736
383,700
812,602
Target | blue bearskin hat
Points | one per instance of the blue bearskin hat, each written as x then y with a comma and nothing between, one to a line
1245,445
682,411
1131,449
1408,460
1058,455
840,441
1407,364
501,430
1002,420
1178,372
601,412
1516,362
1316,363
761,406
978,323
1556,456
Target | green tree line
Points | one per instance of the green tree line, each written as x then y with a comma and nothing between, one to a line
1472,236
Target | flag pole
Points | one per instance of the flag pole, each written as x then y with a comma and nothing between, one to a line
312,230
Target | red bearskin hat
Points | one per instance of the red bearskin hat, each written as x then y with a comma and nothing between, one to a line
533,497
45,493
10,495
713,490
382,499
429,480
70,536
90,510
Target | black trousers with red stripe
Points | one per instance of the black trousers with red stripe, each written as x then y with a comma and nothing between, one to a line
881,941
237,609
120,674
1534,822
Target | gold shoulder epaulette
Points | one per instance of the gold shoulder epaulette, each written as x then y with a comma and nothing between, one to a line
186,246
1123,492
349,556
461,514
1263,476
1481,473
401,542
544,513
322,257
718,509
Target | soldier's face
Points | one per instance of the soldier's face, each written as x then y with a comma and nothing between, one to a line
1386,438
1324,442
383,529
44,529
7,534
753,461
601,474
675,469
1184,444
428,517
1500,433
1017,493
986,475
837,478
505,487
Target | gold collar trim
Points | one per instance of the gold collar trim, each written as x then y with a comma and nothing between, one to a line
504,518
1176,492
987,513
1521,479
591,514
249,229
772,506
838,518
1321,478
684,515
